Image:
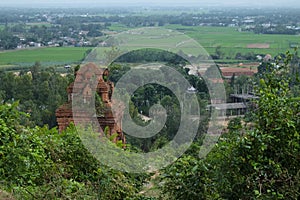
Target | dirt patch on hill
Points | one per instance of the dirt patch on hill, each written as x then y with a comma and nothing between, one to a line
258,46
5,196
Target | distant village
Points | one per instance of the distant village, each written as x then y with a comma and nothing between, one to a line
45,27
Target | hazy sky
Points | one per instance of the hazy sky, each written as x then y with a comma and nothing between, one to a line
105,3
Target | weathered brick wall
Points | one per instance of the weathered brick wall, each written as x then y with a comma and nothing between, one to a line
64,114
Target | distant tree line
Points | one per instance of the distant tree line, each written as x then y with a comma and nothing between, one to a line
39,91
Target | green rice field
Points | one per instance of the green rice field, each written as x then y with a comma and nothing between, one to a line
46,56
230,39
233,41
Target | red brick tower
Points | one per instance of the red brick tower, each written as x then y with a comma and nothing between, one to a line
104,90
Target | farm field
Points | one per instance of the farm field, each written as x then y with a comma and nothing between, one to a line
232,41
47,56
229,39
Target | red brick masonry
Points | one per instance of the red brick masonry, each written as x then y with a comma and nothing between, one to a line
105,117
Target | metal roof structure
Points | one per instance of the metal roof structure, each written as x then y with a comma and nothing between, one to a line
244,96
228,106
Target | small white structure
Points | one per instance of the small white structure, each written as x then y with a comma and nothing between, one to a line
192,90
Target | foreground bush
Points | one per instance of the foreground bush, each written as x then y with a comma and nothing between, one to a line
38,163
257,162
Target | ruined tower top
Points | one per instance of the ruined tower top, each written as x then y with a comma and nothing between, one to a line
102,92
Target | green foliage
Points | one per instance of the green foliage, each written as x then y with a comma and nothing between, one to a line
116,71
150,55
258,162
218,53
39,92
47,56
150,94
38,163
23,159
187,179
8,40
235,124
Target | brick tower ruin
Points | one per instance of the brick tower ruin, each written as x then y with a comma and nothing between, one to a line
106,118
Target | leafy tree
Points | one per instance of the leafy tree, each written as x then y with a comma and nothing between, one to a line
40,92
263,161
218,53
260,161
38,163
8,85
8,40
